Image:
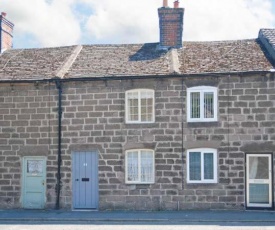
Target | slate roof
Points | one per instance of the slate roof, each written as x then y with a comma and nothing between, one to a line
270,35
134,60
267,38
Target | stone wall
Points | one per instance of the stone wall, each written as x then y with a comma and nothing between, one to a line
28,124
93,119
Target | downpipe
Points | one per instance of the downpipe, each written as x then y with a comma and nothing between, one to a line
59,158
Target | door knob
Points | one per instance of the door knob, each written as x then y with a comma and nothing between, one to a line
43,182
76,179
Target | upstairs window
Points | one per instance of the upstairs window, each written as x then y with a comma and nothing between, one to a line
202,165
140,164
140,106
202,104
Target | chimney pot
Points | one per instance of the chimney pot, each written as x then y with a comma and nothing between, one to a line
4,14
165,3
176,4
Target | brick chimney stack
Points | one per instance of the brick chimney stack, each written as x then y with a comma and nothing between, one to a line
165,3
170,25
6,31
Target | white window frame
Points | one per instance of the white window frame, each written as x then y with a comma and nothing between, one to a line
139,168
202,180
139,91
202,90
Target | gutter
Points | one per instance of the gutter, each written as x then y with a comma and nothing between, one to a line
59,157
136,77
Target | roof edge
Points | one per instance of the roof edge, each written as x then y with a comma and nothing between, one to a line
267,43
136,77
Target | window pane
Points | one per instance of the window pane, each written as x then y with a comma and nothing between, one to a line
195,105
146,109
132,95
34,166
133,109
146,106
259,193
258,168
147,163
208,105
195,165
208,166
143,110
132,166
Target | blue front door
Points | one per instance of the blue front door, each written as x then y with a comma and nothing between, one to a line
34,179
85,180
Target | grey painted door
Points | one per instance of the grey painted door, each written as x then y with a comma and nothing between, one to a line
85,180
34,178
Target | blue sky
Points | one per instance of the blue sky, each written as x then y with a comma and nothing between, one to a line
46,23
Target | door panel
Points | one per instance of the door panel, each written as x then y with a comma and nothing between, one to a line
259,193
85,180
34,178
259,180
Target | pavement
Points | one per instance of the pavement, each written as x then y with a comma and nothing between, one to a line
137,216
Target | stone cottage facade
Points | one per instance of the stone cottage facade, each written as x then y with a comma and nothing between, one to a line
140,126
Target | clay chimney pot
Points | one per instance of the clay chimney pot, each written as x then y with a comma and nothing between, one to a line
176,4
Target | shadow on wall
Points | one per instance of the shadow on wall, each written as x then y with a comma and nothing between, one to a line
148,51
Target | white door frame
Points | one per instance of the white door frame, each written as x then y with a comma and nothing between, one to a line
259,181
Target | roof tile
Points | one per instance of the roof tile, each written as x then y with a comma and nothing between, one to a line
223,56
134,60
33,63
110,60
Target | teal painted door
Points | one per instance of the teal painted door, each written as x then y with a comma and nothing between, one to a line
34,180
